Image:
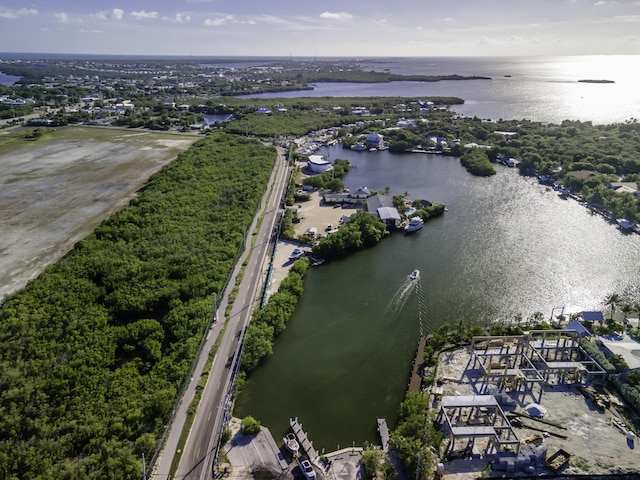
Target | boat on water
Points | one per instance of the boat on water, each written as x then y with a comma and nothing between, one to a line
359,147
414,275
291,443
416,223
297,253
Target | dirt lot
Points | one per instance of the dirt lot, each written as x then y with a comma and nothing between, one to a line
596,446
54,194
312,214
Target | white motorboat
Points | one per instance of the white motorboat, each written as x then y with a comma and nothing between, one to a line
297,253
291,443
416,223
414,275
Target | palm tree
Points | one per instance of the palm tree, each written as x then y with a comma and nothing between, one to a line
612,301
626,308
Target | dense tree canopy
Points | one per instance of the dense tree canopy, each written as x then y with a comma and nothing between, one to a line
95,350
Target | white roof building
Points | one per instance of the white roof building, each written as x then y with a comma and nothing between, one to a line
318,163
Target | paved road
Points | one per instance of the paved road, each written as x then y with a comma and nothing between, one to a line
198,456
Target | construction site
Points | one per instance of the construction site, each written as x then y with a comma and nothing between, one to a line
531,404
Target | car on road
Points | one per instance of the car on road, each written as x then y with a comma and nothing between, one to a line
307,468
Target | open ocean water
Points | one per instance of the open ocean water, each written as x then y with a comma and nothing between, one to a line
544,89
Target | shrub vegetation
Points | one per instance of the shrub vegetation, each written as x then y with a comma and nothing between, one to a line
96,349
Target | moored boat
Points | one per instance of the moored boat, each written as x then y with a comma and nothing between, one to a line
416,223
291,442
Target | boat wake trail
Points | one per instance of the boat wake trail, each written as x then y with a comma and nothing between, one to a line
401,296
412,285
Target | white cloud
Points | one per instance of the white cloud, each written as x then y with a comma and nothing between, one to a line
179,18
15,13
273,20
336,15
84,30
115,14
143,14
218,21
61,17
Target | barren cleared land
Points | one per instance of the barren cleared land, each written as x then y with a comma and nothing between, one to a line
54,190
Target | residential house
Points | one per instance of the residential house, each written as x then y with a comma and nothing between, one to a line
583,174
624,187
357,196
374,140
382,207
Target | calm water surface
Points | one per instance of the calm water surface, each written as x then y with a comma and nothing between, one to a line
506,246
543,89
8,79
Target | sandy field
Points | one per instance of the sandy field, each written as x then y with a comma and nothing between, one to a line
596,446
54,194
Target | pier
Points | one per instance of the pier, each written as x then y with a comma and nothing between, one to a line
383,430
303,439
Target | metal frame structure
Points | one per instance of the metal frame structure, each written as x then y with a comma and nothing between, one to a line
478,417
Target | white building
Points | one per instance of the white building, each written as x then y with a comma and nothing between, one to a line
318,163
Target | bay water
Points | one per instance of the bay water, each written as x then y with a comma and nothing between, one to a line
543,89
507,247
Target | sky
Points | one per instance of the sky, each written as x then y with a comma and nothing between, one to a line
322,28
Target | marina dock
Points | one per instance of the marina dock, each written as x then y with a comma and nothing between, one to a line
383,430
303,439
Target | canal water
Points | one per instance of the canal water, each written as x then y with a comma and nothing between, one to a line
507,246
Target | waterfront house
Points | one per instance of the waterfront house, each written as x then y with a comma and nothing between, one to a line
318,163
374,140
361,192
382,207
390,216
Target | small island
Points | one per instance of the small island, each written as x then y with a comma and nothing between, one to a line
596,81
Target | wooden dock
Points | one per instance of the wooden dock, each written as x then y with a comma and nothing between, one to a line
415,382
383,430
303,439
